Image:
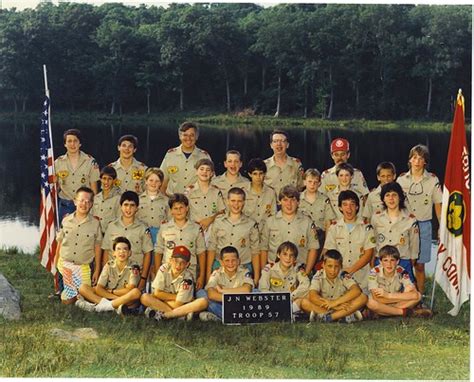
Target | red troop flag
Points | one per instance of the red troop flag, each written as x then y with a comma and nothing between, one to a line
453,266
48,193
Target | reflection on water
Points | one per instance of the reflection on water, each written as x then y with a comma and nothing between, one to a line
19,152
15,233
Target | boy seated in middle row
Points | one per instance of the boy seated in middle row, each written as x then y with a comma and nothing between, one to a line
334,295
117,285
231,277
173,289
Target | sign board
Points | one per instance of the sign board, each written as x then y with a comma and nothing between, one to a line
255,308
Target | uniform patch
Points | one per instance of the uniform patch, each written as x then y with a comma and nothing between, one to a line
137,174
187,283
302,242
172,169
330,187
83,180
243,242
372,239
117,182
170,244
380,238
402,241
135,269
276,282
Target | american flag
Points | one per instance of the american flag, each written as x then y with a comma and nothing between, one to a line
48,194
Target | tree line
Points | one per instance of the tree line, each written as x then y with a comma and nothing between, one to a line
311,60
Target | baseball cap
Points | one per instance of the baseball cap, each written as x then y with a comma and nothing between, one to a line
339,144
181,252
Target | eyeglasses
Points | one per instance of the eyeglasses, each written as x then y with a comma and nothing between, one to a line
416,189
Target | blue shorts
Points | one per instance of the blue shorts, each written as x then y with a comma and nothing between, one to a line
425,241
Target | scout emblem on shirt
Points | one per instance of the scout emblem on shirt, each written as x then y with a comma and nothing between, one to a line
170,244
63,175
243,242
268,209
330,187
276,282
135,269
172,169
302,242
117,182
402,241
137,174
380,238
214,207
187,283
83,180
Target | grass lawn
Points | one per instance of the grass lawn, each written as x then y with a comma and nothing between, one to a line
136,347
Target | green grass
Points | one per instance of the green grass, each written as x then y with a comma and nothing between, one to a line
135,347
216,120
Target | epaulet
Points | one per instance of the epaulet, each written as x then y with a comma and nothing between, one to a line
62,157
267,268
333,222
214,186
203,151
297,160
378,212
412,216
190,187
365,220
96,217
172,150
403,174
325,172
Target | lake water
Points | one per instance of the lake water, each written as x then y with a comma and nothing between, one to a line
19,153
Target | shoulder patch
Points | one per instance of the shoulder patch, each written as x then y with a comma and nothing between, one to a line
369,227
400,269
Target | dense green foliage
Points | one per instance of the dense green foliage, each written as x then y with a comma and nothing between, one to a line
134,347
327,61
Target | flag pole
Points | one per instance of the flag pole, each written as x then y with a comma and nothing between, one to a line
46,91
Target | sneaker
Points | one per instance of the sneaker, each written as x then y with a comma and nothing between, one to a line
189,316
317,317
123,310
154,314
208,316
104,306
422,313
354,317
358,315
85,305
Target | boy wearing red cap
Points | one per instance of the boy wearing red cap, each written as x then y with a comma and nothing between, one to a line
173,289
340,153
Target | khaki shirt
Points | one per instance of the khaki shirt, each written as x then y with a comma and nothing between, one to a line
179,170
131,179
333,197
182,286
69,179
222,183
79,238
301,231
221,278
242,235
279,177
273,279
421,195
153,212
351,244
137,233
402,233
329,181
399,282
191,236
331,289
319,211
203,205
112,277
373,203
107,209
259,206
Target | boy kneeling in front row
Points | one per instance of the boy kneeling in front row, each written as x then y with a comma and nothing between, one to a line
392,293
334,295
231,277
173,289
117,285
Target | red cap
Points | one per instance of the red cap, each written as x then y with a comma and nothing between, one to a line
339,144
181,252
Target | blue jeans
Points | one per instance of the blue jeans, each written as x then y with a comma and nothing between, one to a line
425,241
214,306
154,232
65,207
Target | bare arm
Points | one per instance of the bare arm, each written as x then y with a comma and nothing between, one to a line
211,255
145,270
164,296
98,264
380,295
202,266
311,260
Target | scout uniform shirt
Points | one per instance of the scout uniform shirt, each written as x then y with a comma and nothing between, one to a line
153,212
421,195
319,211
331,289
222,183
130,179
402,233
221,278
182,285
301,231
259,206
398,283
373,203
203,205
351,243
278,177
242,234
171,236
69,179
333,197
107,209
78,239
179,168
112,277
329,181
137,233
273,279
